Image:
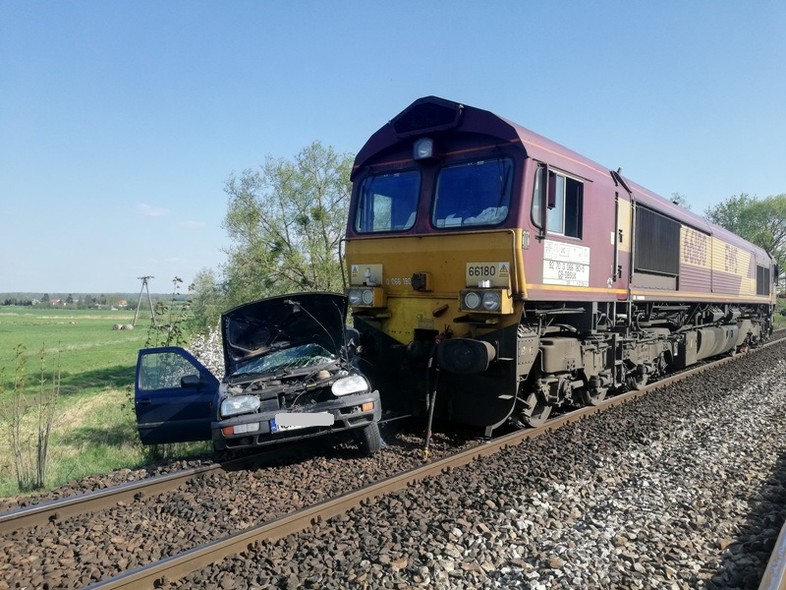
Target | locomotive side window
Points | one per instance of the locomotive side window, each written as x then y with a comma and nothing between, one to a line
564,201
388,202
473,193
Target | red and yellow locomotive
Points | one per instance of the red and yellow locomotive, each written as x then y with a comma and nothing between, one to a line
529,275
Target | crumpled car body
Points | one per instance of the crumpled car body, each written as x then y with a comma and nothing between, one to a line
289,375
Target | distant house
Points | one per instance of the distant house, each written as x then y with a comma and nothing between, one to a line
122,303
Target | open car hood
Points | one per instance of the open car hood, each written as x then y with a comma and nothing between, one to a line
256,329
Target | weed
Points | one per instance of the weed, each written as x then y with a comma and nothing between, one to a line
29,419
169,325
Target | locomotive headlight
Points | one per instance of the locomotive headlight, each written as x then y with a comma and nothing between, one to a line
366,296
239,404
486,301
492,300
471,300
423,148
349,385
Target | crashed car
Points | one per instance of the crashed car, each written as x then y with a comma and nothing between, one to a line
289,376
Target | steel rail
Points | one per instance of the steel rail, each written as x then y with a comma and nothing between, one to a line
178,566
774,577
96,501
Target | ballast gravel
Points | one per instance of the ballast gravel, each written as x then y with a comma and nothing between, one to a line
683,488
78,551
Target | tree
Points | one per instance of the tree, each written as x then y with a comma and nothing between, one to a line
207,301
761,221
286,221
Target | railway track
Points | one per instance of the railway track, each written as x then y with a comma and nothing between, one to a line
176,566
97,501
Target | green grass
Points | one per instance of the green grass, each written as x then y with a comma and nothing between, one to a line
779,321
94,429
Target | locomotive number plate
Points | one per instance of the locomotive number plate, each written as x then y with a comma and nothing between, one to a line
488,274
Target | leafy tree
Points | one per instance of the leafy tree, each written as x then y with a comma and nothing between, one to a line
207,300
761,221
286,220
45,298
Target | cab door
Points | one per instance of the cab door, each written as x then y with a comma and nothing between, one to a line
174,396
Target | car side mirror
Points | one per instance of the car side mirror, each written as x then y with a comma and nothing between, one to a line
191,381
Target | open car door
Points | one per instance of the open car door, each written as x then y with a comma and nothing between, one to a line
174,396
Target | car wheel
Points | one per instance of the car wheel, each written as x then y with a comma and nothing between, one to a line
368,439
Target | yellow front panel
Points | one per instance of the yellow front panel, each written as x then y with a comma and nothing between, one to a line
445,258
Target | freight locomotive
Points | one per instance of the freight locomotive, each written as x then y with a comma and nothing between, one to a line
510,275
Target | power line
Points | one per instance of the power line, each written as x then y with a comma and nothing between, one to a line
144,288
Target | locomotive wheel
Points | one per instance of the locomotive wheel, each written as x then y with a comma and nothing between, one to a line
593,396
536,411
637,382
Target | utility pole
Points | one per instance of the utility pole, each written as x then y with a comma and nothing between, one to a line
139,301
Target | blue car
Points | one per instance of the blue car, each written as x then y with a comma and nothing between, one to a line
289,375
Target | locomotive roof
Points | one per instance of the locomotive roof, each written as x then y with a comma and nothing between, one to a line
431,116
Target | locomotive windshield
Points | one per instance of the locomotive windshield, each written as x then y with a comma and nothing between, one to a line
388,202
473,193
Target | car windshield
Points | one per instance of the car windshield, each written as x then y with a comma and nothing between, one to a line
306,355
473,193
388,202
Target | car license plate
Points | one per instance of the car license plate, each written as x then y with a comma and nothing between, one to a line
287,421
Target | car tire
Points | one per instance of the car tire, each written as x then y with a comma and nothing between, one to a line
368,439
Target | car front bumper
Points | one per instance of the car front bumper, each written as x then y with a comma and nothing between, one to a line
258,430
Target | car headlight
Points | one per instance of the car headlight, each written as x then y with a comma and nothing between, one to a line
471,300
492,300
367,295
239,404
350,384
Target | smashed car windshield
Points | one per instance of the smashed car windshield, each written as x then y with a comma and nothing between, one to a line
296,357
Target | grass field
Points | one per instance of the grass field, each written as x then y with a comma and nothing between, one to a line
94,428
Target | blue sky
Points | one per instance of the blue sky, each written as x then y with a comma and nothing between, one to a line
120,121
